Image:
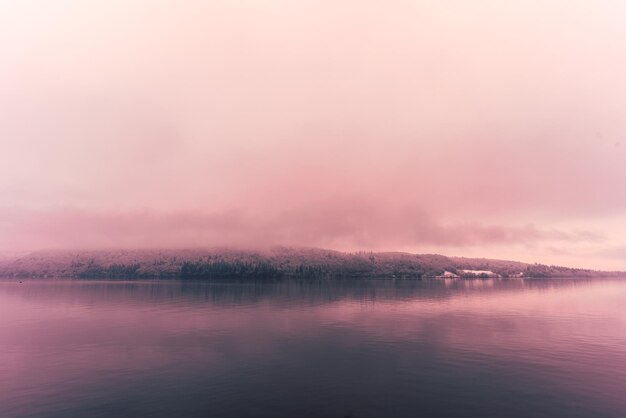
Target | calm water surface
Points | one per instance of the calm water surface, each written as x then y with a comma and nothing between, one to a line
374,348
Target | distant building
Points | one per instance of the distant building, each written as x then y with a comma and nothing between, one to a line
447,275
478,273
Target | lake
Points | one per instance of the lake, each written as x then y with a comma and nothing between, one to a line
314,348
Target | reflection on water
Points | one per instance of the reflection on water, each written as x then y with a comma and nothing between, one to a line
318,348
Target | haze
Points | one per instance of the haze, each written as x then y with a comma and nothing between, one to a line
482,128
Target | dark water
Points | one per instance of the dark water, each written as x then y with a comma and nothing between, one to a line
313,349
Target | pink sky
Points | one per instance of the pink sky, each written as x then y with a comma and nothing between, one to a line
483,128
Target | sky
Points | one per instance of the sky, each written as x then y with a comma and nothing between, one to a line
484,128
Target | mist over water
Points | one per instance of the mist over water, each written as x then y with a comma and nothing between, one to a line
471,128
315,348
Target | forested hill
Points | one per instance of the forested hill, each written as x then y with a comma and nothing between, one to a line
274,263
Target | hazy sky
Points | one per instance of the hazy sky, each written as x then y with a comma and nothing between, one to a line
479,128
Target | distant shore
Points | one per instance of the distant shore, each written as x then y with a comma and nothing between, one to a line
279,262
